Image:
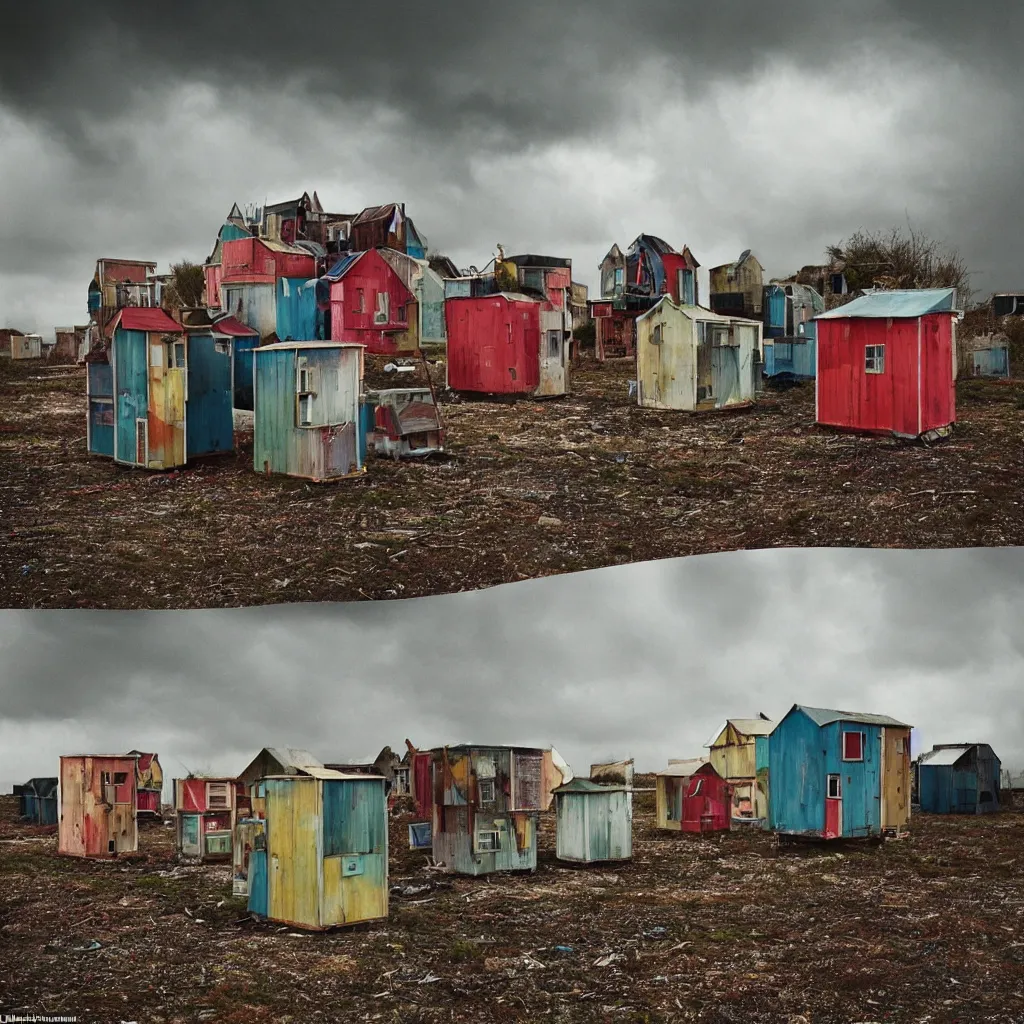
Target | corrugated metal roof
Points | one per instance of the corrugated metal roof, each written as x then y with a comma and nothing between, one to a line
683,768
232,327
294,757
911,302
279,345
276,246
752,726
343,266
944,755
825,716
587,786
146,318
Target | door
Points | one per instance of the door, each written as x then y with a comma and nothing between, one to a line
725,372
256,874
190,832
895,778
340,451
131,398
834,807
705,377
552,357
293,815
209,425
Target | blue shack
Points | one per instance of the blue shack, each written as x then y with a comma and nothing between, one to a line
308,421
838,775
789,334
958,778
160,394
37,801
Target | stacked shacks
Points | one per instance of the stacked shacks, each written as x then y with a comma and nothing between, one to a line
207,809
739,753
886,363
170,403
690,796
318,857
959,778
693,359
631,283
594,816
737,287
236,225
117,283
485,805
838,774
97,806
789,329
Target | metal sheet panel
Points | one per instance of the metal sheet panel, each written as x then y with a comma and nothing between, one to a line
296,314
209,423
129,357
293,850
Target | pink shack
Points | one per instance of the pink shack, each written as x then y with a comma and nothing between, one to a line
98,806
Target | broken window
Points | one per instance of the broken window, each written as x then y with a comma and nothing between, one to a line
485,789
874,359
488,841
656,335
834,787
305,391
853,746
120,778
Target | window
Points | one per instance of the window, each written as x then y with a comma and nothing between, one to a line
179,354
401,316
360,308
305,391
554,344
485,788
656,335
217,796
383,311
120,778
305,410
853,746
488,841
620,274
835,790
221,348
899,745
874,359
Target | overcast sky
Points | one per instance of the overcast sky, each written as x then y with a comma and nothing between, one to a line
640,661
128,130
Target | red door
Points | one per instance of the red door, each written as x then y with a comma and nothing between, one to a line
833,807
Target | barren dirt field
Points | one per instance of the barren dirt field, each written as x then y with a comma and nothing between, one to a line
527,489
723,929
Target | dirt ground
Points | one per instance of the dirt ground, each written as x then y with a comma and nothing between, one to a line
527,489
723,929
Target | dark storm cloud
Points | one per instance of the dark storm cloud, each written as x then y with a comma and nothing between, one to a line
643,660
130,130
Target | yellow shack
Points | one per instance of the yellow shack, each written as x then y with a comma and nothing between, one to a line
739,752
322,858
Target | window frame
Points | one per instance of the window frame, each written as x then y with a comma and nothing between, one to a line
874,359
493,834
838,794
488,785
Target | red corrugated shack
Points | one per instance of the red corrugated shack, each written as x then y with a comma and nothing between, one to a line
493,343
690,796
886,363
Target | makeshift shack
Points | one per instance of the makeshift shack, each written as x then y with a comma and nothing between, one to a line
887,364
324,861
206,809
690,796
594,822
486,801
739,753
407,422
306,410
838,774
692,359
37,801
97,806
959,778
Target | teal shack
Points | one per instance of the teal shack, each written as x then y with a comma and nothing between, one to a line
160,395
242,340
838,775
307,417
593,821
319,858
959,778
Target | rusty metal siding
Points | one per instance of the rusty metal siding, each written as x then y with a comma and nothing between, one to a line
97,820
254,304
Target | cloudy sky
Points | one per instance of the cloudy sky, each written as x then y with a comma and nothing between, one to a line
640,661
128,130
